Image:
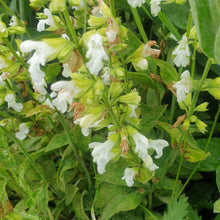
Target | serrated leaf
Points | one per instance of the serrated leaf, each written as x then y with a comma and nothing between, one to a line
57,141
121,203
177,210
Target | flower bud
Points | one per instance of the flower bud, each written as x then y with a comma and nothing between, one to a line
185,125
38,3
194,154
99,88
3,30
202,107
201,126
57,5
64,48
193,118
131,98
91,118
115,90
140,64
16,30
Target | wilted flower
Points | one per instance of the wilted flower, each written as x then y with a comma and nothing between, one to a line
10,98
136,3
13,21
183,86
49,21
129,175
66,91
96,54
155,7
23,131
181,53
102,154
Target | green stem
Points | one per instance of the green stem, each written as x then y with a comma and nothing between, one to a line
196,95
112,6
193,60
176,180
5,40
70,28
21,10
85,17
148,212
23,150
146,11
67,131
139,24
206,148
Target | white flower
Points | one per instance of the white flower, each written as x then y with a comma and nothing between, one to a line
66,92
155,7
10,98
39,87
129,175
136,3
102,154
96,54
148,161
183,86
49,21
182,53
66,70
42,51
142,145
13,21
23,131
158,146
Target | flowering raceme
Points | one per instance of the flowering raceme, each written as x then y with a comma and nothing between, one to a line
96,54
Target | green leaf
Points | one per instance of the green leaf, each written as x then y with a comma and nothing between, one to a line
150,116
70,192
20,216
206,15
57,141
167,72
52,71
217,206
177,210
107,192
78,206
121,203
115,171
39,109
